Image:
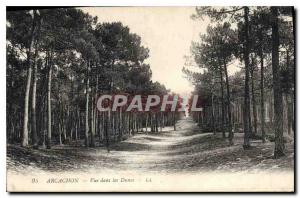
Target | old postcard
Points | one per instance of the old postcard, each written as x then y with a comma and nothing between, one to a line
150,99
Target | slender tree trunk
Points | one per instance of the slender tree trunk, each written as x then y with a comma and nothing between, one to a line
230,131
48,144
293,68
262,99
72,121
253,100
223,105
246,112
25,123
87,87
77,122
289,100
121,126
44,125
278,108
34,135
59,119
59,127
93,144
113,125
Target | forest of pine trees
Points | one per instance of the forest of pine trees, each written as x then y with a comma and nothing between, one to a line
259,99
227,125
58,63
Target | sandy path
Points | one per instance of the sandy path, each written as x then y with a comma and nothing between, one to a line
146,151
183,150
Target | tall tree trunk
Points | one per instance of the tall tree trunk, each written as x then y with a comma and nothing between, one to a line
34,135
246,112
121,126
289,100
262,102
78,123
59,120
48,144
222,104
72,121
253,99
278,108
289,112
28,83
44,117
293,68
230,131
25,122
93,144
87,87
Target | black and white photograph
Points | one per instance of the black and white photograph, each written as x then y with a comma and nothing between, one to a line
150,99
